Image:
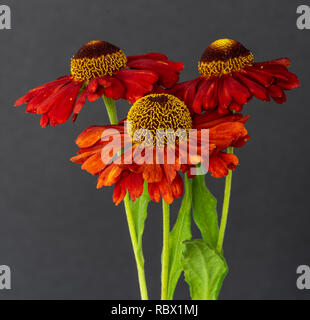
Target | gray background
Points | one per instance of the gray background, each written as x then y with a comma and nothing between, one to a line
62,238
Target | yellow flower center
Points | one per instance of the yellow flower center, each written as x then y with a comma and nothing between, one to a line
97,59
159,111
224,56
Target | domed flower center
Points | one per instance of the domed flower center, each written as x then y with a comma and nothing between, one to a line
224,56
159,111
97,59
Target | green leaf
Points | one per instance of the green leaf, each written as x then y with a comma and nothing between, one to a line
204,211
180,232
204,270
139,212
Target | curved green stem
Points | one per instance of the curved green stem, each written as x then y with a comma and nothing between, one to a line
225,207
139,259
165,252
111,109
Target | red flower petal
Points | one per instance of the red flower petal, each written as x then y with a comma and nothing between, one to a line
165,190
277,93
154,192
93,85
94,164
64,102
220,162
134,183
89,136
152,173
79,104
137,83
113,88
281,62
224,95
256,89
177,187
43,88
168,71
225,134
119,192
210,100
109,176
201,93
258,75
240,93
44,121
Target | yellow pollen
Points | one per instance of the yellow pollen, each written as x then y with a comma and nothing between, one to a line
159,111
97,59
224,56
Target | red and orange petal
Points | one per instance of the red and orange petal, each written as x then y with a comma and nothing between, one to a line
221,162
230,92
164,180
55,101
133,183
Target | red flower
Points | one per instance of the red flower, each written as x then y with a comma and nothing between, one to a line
230,78
152,112
99,68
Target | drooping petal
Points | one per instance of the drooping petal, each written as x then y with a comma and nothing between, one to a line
43,88
89,136
63,106
211,100
224,94
94,164
136,83
119,192
154,192
225,134
177,186
277,93
165,190
256,89
221,162
152,172
109,176
239,92
80,101
134,183
201,93
167,70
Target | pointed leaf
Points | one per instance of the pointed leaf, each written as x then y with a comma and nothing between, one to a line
204,270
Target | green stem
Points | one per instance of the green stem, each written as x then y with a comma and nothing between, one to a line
225,207
139,259
165,253
111,109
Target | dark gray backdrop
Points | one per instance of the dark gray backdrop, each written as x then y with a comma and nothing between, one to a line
62,238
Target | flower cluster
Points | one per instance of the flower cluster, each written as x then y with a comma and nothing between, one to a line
172,133
228,79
